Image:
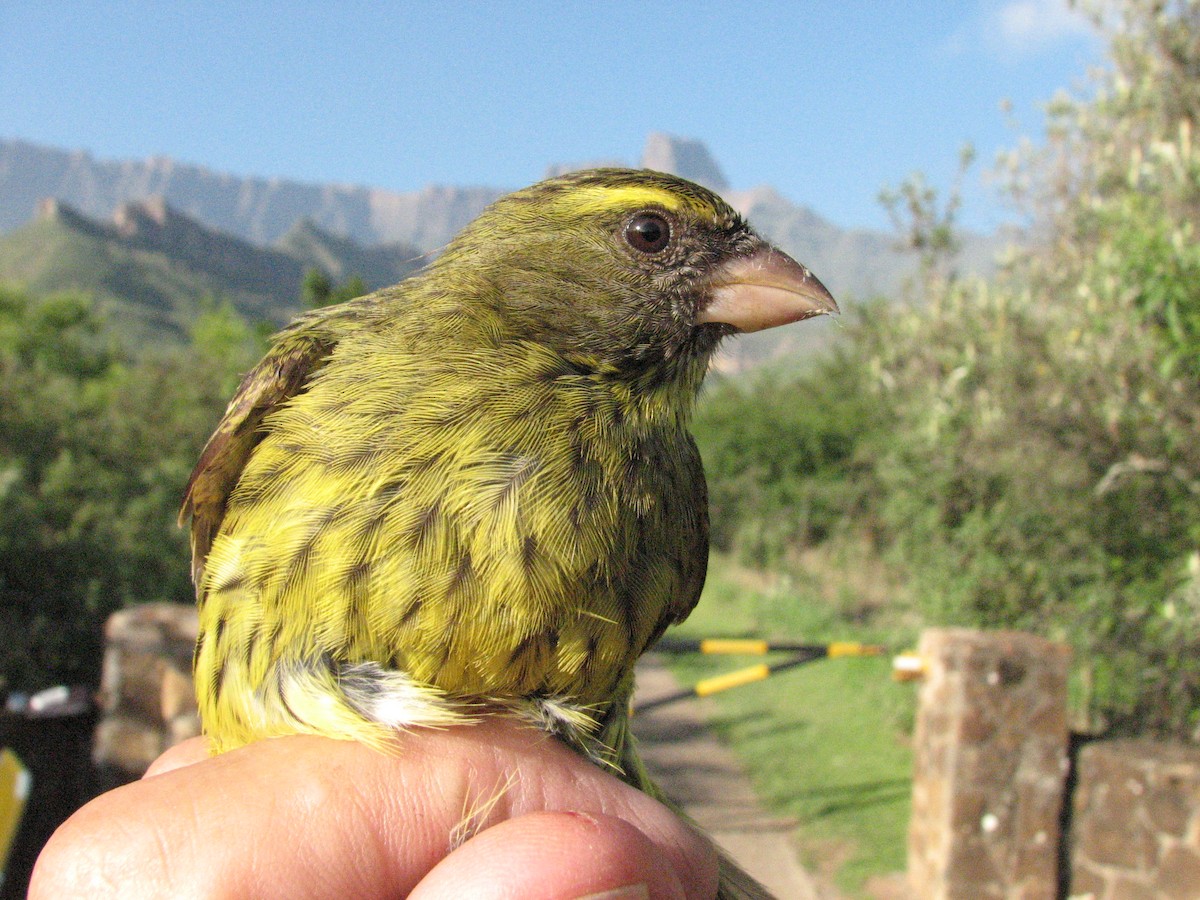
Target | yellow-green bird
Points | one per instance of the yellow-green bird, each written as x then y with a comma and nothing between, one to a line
476,489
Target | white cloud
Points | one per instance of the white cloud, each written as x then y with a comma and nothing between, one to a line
1015,30
1032,26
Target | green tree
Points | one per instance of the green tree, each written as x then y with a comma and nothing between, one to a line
95,447
1024,450
318,289
783,453
1045,472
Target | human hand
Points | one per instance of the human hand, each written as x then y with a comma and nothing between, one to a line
311,817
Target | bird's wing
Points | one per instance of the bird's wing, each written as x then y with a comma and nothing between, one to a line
299,351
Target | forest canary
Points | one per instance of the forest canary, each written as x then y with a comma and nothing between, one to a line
476,491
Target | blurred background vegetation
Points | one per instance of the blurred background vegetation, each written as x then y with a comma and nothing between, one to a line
94,446
1021,452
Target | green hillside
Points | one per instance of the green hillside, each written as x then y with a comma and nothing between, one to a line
152,270
341,258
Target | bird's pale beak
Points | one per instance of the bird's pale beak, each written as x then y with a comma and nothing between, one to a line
765,289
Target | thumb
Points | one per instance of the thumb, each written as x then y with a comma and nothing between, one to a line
554,855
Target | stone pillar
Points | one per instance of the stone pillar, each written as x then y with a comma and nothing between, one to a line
1136,823
990,763
146,696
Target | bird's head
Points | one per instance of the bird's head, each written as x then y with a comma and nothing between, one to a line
628,271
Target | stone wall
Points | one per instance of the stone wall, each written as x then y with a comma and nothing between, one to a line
146,696
991,790
1135,824
990,760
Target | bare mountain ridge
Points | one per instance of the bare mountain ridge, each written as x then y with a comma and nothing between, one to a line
259,210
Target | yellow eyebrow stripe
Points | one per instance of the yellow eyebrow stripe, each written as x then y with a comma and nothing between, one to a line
599,198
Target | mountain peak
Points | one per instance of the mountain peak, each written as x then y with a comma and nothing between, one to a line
51,209
686,157
64,215
135,216
306,228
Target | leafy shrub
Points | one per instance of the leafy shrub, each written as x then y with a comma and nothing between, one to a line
94,450
782,453
1027,451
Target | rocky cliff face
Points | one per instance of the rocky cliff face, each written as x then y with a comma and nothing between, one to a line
256,209
428,218
684,157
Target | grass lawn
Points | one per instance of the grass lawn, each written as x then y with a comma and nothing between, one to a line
826,744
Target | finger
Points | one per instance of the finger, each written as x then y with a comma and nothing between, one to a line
553,855
547,776
191,751
288,817
314,816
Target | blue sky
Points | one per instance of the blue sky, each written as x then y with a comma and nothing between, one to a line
827,101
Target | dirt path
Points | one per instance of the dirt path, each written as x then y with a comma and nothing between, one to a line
705,778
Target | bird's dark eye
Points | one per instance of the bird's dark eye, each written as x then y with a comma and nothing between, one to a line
648,232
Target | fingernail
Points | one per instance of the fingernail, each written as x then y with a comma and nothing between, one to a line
629,892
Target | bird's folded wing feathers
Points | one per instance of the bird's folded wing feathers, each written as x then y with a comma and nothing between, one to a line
298,352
